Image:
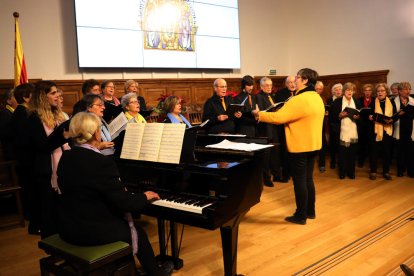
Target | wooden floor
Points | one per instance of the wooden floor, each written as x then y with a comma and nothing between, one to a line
363,227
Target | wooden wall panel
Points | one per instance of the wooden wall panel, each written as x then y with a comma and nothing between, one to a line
197,91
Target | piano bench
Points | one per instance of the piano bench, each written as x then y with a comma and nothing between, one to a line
68,259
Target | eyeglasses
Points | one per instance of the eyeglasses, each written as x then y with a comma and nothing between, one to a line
222,86
99,104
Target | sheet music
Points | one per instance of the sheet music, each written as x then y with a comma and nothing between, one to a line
116,124
171,143
151,142
226,144
132,141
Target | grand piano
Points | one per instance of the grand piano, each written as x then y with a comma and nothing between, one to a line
212,189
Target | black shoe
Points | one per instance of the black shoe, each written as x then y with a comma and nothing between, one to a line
372,176
167,268
296,220
311,216
351,176
322,169
342,176
407,271
280,179
387,176
268,183
33,230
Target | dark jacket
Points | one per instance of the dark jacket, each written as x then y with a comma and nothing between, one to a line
213,108
94,199
246,124
336,108
265,129
41,146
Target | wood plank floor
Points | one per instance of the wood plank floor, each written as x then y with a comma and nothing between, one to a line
363,227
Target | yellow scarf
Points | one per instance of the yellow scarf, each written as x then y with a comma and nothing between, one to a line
137,118
379,128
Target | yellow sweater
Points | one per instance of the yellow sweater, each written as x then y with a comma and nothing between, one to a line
303,118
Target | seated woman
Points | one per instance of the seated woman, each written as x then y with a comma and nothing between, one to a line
94,104
131,106
95,204
172,105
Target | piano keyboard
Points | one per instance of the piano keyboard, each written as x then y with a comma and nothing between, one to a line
186,203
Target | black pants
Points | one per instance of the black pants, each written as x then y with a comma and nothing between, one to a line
405,156
146,255
333,146
381,148
302,174
365,141
322,151
49,202
346,160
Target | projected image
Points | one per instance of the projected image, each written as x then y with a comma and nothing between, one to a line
169,25
158,33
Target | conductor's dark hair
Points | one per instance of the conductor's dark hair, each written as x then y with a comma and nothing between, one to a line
310,75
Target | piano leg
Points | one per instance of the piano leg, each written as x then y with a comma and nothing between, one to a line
162,257
229,237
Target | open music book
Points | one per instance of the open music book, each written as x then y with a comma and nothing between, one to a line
117,125
153,142
233,108
196,127
364,111
276,106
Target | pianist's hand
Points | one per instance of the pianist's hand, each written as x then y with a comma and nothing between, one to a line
106,145
151,196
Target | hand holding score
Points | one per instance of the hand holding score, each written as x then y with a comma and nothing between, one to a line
255,112
222,117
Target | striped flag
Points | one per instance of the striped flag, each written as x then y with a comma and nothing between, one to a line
20,73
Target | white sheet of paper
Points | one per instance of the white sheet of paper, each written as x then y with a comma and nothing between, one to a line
132,141
171,143
226,144
117,123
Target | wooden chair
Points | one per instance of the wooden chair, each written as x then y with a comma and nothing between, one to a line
196,118
9,186
153,119
67,259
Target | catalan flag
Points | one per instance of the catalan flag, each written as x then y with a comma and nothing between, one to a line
20,73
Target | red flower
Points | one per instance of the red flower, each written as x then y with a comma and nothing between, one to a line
231,93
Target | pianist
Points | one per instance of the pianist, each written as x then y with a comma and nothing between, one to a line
95,205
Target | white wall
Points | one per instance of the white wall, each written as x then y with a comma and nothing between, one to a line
333,37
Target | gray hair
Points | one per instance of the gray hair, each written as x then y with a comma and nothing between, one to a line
127,98
263,80
336,86
319,83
